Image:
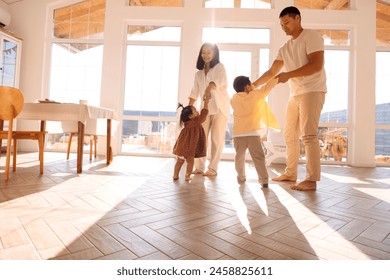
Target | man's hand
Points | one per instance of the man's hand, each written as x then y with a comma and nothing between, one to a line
283,77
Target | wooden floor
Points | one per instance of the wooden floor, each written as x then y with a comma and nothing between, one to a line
133,210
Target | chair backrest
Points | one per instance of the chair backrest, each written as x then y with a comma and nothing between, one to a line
11,102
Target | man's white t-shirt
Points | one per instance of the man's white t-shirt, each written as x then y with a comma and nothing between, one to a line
294,54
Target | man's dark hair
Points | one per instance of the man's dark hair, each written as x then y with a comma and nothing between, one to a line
291,11
240,83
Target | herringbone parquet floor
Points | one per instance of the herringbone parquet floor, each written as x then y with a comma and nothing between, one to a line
133,210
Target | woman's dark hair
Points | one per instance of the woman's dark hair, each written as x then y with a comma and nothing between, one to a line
215,61
291,11
185,113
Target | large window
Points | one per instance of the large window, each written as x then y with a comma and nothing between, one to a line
76,74
77,52
151,89
382,135
76,60
333,129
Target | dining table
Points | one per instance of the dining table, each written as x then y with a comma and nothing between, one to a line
71,112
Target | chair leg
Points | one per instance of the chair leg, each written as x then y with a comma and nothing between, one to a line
95,139
90,147
8,156
14,156
69,144
41,148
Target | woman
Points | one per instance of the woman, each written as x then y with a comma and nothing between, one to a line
211,79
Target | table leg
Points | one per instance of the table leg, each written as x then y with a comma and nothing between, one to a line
80,146
41,144
109,154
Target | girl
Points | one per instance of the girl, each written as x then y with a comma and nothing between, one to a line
191,142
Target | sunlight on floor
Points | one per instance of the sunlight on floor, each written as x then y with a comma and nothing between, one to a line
381,195
239,206
258,195
312,225
344,179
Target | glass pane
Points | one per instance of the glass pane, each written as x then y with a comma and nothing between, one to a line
148,3
152,76
236,35
333,143
153,33
382,145
382,136
263,61
335,37
382,24
382,87
250,4
9,63
76,74
82,20
337,72
236,63
322,5
148,137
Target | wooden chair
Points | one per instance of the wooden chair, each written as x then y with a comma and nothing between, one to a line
11,104
92,144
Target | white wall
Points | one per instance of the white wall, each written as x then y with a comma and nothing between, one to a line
29,19
4,5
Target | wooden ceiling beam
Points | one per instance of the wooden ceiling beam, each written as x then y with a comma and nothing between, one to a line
87,18
336,5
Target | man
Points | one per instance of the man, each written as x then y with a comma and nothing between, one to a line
303,60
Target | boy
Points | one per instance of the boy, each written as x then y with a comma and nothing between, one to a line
250,114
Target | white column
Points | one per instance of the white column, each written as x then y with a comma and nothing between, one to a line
361,136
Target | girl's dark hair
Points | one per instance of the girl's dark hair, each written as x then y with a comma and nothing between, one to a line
291,11
215,61
185,113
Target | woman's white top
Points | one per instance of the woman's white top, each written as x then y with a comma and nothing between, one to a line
220,100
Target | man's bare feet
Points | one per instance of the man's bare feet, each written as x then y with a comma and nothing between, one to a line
284,177
305,185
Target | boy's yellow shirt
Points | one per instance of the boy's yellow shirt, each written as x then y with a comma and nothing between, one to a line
250,110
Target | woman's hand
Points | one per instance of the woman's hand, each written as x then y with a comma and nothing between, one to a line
207,96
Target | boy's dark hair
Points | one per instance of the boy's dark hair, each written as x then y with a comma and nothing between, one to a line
240,83
291,11
185,113
215,61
